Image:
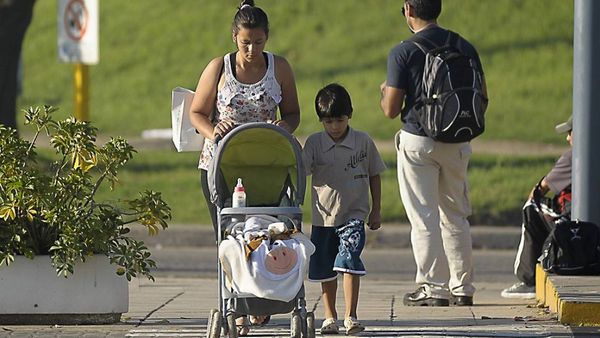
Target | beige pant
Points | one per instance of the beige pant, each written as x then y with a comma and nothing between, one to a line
434,190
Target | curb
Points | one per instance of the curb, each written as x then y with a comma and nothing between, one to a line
389,236
575,299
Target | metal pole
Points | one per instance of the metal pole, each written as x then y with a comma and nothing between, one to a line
81,85
586,111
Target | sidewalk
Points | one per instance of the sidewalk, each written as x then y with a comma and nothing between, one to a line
178,303
580,295
178,307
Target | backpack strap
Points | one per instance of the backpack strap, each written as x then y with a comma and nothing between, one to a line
452,40
424,44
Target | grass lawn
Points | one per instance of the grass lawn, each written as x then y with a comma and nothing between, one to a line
149,47
495,199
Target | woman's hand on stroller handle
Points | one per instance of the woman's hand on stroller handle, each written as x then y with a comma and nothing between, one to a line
221,129
281,123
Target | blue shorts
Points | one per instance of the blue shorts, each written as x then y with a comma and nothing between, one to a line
338,249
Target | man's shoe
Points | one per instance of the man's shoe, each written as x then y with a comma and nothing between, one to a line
420,298
519,290
462,300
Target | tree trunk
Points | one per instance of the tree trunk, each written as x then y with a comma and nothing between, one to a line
15,16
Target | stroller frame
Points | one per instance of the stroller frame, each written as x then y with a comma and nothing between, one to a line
231,304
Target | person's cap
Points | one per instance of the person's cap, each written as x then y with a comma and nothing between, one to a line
565,127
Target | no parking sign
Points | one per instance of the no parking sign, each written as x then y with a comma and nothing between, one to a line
78,31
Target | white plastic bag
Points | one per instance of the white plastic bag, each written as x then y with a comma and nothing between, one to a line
185,136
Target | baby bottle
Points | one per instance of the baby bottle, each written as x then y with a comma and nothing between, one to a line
238,200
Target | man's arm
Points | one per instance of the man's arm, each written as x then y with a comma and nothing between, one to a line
391,100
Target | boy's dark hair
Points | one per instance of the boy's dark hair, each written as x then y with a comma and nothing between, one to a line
333,101
250,17
426,9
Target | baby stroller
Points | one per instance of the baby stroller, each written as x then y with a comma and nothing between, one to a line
269,161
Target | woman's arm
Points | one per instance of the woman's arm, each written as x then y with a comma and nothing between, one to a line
288,107
203,104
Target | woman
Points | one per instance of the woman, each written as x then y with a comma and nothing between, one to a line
248,85
245,86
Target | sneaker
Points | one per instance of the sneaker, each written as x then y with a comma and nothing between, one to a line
329,327
519,290
420,298
353,326
461,300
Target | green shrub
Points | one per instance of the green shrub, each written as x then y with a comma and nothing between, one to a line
50,207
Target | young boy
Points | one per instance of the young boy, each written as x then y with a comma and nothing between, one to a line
345,165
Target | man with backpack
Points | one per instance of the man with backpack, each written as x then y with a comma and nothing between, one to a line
539,216
435,84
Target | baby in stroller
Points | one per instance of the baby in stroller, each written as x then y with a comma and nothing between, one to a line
263,257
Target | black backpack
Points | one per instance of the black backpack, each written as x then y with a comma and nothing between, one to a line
452,103
572,248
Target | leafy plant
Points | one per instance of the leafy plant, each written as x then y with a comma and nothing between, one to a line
49,206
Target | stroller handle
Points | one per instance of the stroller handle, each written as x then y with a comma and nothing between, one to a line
219,137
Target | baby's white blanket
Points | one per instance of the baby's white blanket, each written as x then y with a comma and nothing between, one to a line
274,271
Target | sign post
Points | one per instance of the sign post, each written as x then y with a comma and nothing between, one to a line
586,111
78,44
81,86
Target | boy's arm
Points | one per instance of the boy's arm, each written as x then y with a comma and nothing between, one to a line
307,158
375,215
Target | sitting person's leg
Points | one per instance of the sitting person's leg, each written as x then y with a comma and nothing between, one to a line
533,234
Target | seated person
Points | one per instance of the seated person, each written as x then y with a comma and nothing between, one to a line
538,219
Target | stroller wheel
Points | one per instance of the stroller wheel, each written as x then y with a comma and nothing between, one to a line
213,329
296,325
310,325
231,326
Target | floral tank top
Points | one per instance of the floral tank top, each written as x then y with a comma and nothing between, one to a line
244,103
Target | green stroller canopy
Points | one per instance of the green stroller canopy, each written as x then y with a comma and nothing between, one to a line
267,159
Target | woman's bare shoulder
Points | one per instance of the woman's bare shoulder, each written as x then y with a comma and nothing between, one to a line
283,69
281,61
217,62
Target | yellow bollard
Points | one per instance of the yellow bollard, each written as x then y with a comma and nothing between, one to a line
80,81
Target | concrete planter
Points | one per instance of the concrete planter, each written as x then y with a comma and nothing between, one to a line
32,293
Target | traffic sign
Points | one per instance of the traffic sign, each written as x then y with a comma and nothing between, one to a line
78,31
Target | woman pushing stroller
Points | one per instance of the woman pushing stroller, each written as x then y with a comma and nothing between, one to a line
247,85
